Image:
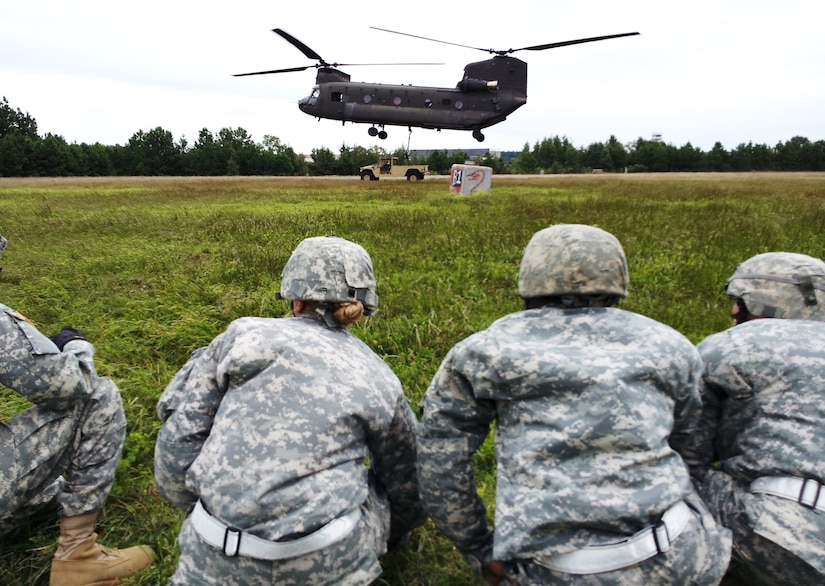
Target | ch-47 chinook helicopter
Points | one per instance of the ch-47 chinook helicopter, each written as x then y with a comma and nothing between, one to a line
488,92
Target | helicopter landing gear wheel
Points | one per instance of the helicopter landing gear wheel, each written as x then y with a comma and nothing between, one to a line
373,131
477,135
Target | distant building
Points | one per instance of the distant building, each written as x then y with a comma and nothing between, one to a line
656,137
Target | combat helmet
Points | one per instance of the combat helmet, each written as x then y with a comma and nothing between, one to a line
783,285
573,260
329,270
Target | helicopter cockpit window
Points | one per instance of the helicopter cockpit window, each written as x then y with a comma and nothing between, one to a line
313,97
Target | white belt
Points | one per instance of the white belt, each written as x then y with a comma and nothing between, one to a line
236,542
629,551
806,491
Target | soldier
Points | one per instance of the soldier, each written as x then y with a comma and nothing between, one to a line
763,420
64,448
288,442
585,398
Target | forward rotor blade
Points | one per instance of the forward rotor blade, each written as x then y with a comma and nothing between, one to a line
298,44
575,42
289,70
379,64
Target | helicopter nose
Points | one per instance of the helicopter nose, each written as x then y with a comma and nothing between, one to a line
305,104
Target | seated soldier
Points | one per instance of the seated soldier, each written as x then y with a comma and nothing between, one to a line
763,421
65,448
587,400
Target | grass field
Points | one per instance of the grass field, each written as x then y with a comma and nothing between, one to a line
152,268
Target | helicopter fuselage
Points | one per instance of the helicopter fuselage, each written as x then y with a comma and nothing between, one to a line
489,91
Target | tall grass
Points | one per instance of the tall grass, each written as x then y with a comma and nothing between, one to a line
153,268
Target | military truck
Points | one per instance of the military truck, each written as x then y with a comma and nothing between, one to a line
389,167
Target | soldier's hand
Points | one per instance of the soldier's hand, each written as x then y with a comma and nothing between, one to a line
494,574
402,542
66,335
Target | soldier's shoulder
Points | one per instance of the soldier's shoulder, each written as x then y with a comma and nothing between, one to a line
650,329
14,315
770,333
243,325
483,338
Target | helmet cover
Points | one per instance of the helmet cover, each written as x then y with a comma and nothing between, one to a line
573,259
781,285
326,269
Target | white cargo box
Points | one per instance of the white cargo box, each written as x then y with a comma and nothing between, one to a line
466,179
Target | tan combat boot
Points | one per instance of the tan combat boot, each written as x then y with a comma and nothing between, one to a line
80,561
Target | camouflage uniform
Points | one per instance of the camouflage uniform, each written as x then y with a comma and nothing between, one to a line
584,401
76,427
278,427
3,244
764,416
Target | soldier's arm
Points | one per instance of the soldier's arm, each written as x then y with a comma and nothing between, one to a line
698,450
32,365
393,459
187,408
454,424
687,410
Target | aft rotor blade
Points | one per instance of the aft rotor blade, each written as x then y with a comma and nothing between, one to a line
289,70
429,39
575,42
298,44
508,51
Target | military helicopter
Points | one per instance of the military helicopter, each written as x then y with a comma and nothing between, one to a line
488,92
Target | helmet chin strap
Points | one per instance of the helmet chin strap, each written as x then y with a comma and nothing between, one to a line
325,311
322,309
741,314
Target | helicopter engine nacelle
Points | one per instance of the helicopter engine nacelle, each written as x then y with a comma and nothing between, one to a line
330,75
477,85
509,72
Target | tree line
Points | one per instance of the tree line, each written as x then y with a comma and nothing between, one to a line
25,153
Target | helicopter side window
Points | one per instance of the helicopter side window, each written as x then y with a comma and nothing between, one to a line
337,97
459,105
446,101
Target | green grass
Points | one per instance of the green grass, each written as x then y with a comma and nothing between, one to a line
153,268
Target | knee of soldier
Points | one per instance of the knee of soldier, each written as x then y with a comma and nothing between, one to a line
105,407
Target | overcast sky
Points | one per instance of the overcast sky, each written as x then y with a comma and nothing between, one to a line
701,71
